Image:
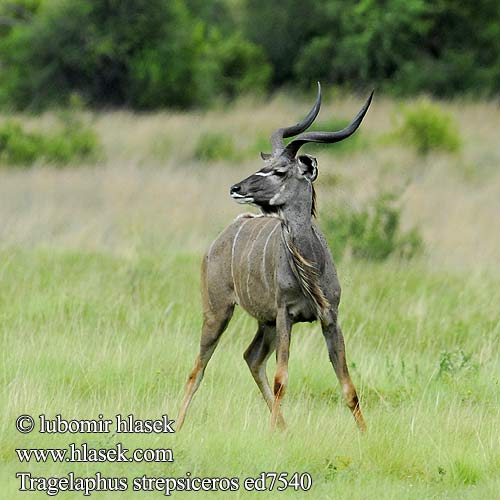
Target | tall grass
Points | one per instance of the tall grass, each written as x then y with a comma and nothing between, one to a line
100,313
433,431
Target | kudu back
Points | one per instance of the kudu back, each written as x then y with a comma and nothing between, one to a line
276,266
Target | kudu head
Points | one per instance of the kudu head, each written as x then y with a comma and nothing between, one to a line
286,177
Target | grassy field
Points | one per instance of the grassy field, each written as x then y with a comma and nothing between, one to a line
100,311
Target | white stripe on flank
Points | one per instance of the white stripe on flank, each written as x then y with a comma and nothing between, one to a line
264,255
248,260
232,258
209,253
210,249
207,277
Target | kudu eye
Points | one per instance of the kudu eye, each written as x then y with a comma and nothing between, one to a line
279,173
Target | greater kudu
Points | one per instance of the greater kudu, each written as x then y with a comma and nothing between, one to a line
276,266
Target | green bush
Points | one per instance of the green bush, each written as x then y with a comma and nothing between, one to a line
371,233
427,127
16,145
74,142
212,146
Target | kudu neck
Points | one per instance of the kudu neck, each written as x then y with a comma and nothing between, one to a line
297,216
298,232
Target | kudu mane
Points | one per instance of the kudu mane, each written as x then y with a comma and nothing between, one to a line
306,273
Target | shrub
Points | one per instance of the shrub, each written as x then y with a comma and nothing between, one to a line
428,128
371,233
72,145
74,142
213,146
17,146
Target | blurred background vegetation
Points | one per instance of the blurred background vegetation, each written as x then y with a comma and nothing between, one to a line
150,54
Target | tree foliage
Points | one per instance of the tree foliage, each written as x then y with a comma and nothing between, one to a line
161,53
140,53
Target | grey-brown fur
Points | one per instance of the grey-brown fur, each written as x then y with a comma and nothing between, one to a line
276,266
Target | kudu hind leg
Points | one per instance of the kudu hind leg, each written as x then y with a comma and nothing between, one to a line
283,331
214,325
256,357
336,351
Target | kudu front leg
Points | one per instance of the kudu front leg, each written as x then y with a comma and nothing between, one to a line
214,324
336,351
256,357
283,331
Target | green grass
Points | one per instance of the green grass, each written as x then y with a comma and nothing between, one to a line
100,310
89,333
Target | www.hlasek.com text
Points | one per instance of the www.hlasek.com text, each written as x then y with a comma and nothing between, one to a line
85,453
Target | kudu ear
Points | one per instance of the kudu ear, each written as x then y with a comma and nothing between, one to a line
309,166
265,156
